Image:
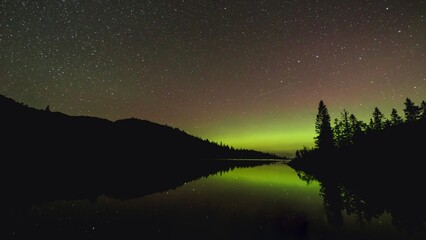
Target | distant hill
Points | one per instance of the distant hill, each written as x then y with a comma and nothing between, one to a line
47,134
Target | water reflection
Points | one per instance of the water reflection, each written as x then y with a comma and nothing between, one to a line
370,199
130,181
262,202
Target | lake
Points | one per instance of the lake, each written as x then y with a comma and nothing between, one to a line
261,202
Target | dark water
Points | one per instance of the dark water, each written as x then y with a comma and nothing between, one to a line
263,202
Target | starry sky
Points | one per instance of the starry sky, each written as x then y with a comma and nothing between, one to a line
246,73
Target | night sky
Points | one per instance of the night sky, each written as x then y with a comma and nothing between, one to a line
247,73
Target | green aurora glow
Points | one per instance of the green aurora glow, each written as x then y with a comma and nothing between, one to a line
248,74
284,133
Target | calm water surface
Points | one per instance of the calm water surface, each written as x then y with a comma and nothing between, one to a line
264,202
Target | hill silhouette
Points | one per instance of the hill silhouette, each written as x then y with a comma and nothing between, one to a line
51,155
51,134
47,133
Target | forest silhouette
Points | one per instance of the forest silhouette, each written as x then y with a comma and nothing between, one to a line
381,141
368,170
50,155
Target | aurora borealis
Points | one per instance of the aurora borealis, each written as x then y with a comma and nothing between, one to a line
246,73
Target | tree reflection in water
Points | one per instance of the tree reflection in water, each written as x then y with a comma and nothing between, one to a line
369,199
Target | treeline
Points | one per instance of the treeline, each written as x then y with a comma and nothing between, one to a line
348,133
368,169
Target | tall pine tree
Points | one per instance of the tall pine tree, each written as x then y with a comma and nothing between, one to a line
378,122
324,138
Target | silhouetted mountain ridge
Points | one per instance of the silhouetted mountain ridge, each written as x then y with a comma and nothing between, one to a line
56,133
